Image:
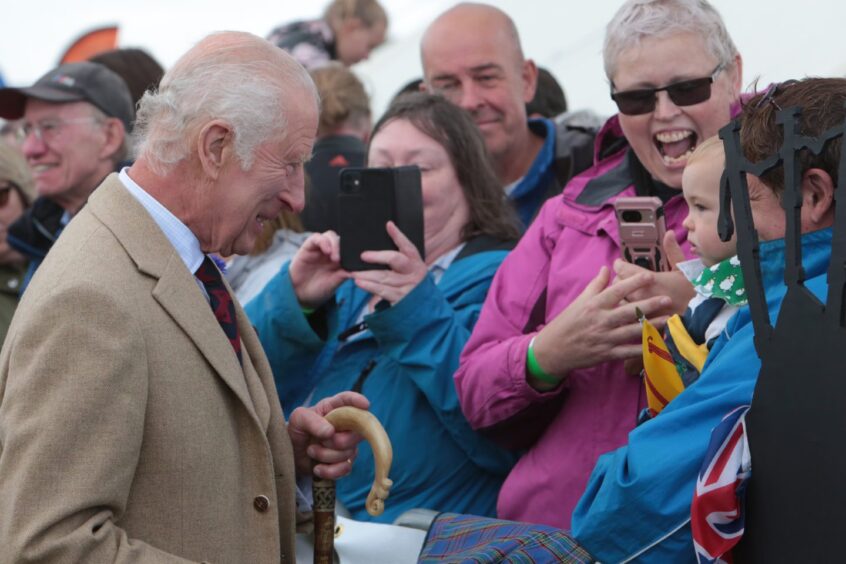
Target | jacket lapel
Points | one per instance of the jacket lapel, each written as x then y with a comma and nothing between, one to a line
176,289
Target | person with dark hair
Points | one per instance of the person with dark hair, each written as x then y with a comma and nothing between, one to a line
396,334
471,54
348,31
75,121
549,100
136,67
413,85
638,501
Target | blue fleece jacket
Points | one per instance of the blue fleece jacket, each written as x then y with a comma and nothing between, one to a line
637,503
439,461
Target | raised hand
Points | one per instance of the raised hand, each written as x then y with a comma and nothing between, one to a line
406,269
598,326
316,269
672,284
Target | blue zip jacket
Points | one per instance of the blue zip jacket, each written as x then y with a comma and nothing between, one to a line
637,503
439,462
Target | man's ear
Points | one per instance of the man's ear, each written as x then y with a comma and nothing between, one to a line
213,144
114,134
817,200
529,72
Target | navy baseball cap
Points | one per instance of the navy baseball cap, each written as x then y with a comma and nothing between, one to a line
74,82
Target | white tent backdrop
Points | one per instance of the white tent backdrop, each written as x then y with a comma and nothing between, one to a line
778,39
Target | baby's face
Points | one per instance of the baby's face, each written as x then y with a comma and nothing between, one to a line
701,187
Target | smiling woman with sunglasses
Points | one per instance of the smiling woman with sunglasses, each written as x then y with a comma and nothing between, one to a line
543,370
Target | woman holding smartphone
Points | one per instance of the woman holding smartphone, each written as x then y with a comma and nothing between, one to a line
543,370
396,334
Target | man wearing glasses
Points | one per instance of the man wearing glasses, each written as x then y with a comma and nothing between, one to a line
485,72
75,121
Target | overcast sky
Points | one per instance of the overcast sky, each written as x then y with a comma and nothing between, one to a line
778,39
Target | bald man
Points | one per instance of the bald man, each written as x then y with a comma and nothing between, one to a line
139,421
471,54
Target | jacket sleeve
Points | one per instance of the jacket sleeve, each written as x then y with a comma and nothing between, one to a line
637,502
290,343
424,334
491,377
73,395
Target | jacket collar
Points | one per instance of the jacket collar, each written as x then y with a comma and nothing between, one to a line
176,289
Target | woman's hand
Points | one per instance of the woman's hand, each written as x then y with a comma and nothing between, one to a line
407,269
597,326
318,448
316,269
672,284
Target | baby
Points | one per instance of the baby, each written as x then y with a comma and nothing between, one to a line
715,275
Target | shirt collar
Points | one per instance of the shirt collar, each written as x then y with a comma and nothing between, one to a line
441,265
183,240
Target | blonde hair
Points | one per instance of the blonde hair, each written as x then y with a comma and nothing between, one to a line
711,147
343,100
370,12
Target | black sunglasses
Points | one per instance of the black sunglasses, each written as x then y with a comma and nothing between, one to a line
684,93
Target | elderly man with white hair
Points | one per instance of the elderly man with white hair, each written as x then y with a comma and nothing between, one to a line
138,415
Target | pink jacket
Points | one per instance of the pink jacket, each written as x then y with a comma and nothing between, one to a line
564,431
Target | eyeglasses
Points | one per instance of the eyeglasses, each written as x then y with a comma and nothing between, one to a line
47,130
684,93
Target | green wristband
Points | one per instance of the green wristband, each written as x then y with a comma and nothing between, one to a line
535,369
307,310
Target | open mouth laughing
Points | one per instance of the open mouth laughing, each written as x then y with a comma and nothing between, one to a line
675,146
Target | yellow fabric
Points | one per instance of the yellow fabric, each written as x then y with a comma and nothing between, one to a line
661,378
687,347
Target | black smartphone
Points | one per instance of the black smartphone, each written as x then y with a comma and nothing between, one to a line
367,200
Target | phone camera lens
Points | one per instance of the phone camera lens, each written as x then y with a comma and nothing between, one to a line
644,262
632,216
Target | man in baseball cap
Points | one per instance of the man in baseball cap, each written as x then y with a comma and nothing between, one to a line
75,124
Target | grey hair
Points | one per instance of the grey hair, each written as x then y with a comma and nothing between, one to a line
124,152
231,76
637,19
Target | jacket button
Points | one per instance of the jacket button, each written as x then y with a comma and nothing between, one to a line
261,503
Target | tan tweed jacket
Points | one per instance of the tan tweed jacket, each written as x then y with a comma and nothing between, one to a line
128,430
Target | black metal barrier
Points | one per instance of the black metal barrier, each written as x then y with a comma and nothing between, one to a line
796,501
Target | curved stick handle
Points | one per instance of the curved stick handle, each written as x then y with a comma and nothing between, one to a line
365,424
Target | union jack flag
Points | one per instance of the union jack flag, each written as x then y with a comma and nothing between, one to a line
716,514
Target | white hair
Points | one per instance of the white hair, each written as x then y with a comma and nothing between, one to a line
124,152
231,76
637,19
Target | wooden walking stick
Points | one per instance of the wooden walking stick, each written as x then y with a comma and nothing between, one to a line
365,424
